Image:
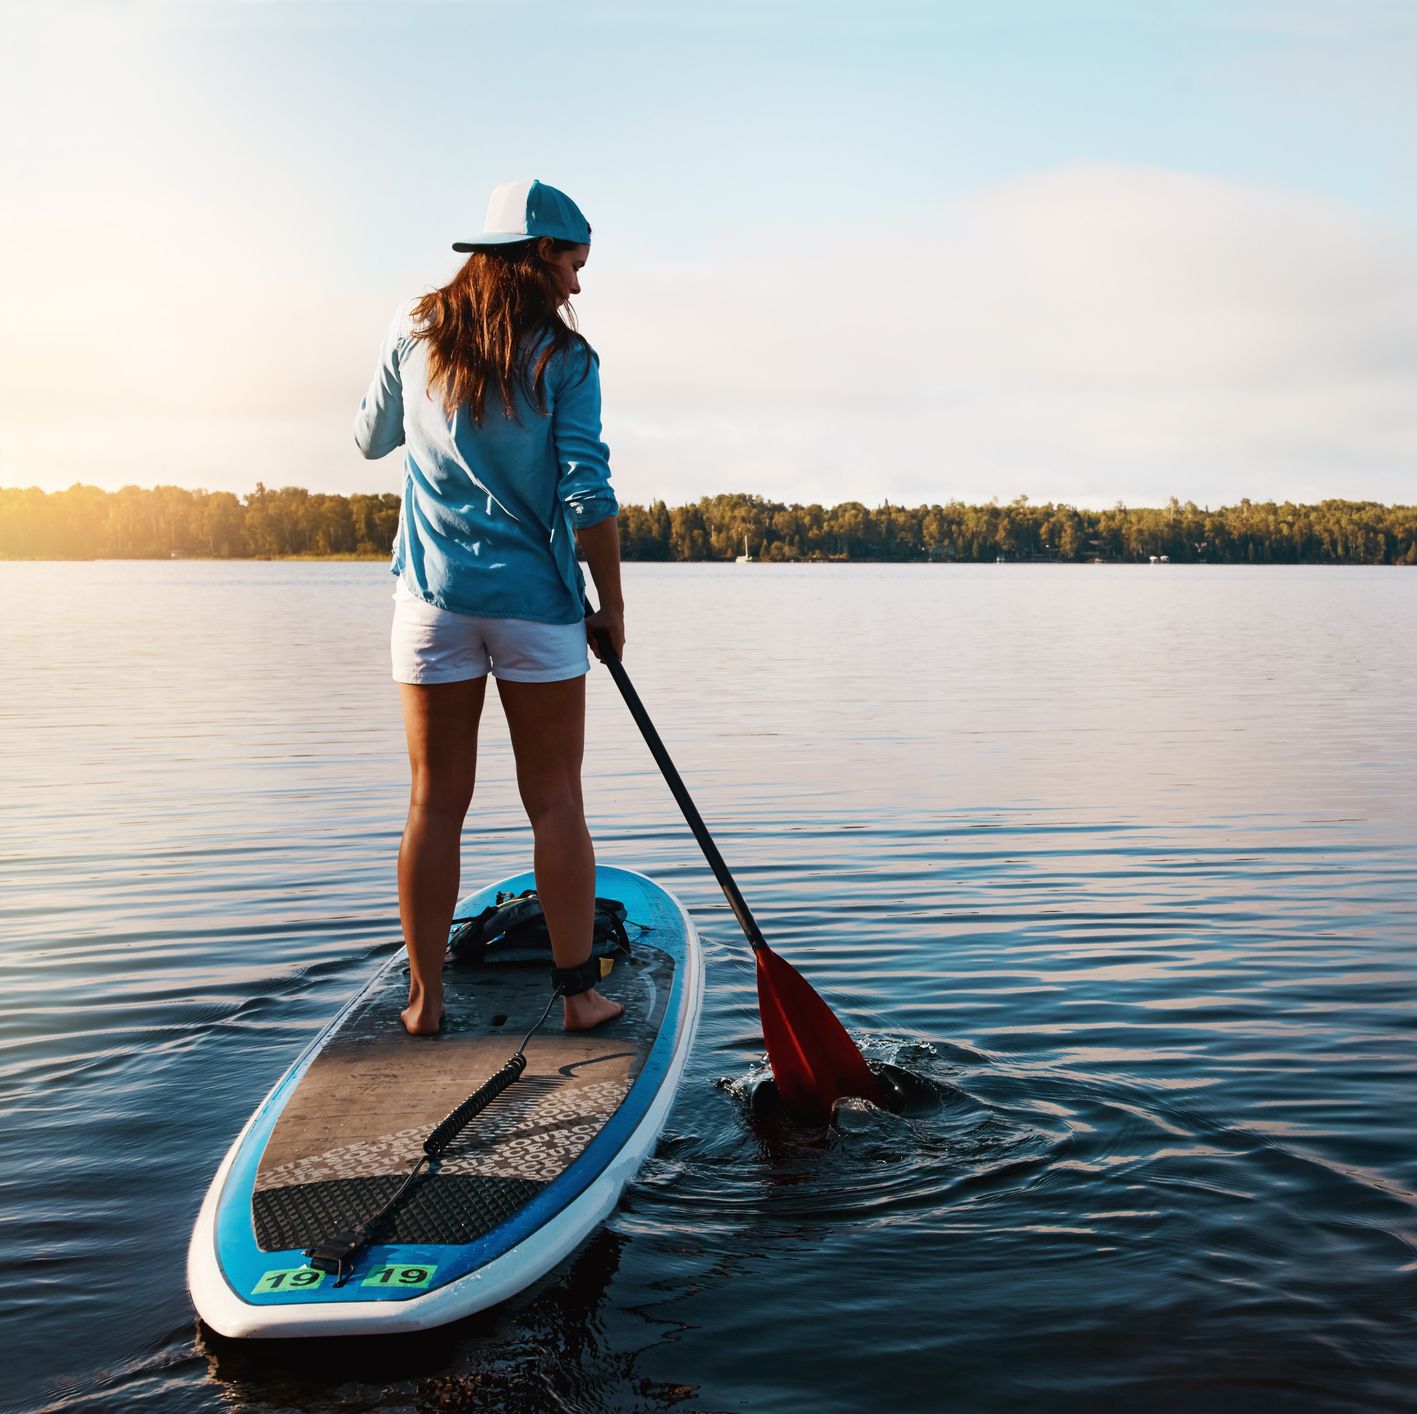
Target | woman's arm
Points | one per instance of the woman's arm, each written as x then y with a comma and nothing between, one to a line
601,544
378,425
585,490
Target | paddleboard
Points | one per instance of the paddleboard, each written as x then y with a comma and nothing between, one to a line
530,1177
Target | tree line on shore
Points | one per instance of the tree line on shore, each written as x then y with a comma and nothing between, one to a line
168,521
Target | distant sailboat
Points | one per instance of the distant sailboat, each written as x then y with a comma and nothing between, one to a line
745,558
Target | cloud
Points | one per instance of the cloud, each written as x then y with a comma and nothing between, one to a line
1092,333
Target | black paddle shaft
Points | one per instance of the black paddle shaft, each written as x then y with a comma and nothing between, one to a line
611,659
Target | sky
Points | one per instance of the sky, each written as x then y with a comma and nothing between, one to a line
1085,252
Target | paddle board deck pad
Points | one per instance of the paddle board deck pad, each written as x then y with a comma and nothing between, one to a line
528,1179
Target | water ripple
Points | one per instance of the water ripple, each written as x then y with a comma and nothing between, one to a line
1124,868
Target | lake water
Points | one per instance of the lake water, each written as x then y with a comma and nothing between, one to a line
1123,859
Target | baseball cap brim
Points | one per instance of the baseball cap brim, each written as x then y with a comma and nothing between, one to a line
505,238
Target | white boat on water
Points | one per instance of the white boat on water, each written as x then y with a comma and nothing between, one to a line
746,557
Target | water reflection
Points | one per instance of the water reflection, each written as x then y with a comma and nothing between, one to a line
546,1352
1123,869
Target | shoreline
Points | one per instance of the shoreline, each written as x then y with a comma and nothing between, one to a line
771,563
292,523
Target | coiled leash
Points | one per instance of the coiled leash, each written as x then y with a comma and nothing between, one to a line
335,1255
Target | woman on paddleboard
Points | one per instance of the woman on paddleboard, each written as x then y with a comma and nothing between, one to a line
496,400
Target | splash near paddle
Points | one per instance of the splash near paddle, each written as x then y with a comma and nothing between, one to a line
814,1062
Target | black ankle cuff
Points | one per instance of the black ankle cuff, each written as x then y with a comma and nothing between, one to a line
572,981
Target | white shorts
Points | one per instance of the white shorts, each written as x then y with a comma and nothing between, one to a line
437,645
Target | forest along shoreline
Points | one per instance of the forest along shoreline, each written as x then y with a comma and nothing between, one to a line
86,523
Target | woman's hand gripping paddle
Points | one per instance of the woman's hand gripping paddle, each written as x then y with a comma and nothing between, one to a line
814,1062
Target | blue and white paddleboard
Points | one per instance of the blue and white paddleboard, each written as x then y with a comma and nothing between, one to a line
528,1179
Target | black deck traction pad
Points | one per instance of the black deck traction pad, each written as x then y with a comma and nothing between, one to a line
348,1135
442,1208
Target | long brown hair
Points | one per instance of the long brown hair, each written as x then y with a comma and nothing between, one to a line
476,329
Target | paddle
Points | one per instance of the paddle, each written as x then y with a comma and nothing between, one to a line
814,1062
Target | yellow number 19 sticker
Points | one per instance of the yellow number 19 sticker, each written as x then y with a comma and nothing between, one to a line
288,1279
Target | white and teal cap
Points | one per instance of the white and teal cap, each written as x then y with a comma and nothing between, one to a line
522,211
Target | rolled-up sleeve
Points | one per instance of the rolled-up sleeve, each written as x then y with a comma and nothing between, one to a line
584,482
378,425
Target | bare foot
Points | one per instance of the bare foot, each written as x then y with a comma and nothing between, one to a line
587,1010
421,1021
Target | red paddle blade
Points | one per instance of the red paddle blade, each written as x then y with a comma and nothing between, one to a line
814,1062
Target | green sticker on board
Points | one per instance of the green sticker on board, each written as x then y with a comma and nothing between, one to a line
288,1279
400,1276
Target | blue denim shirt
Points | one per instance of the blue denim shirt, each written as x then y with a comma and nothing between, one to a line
489,513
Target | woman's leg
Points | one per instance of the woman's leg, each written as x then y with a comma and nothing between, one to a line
440,721
547,723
